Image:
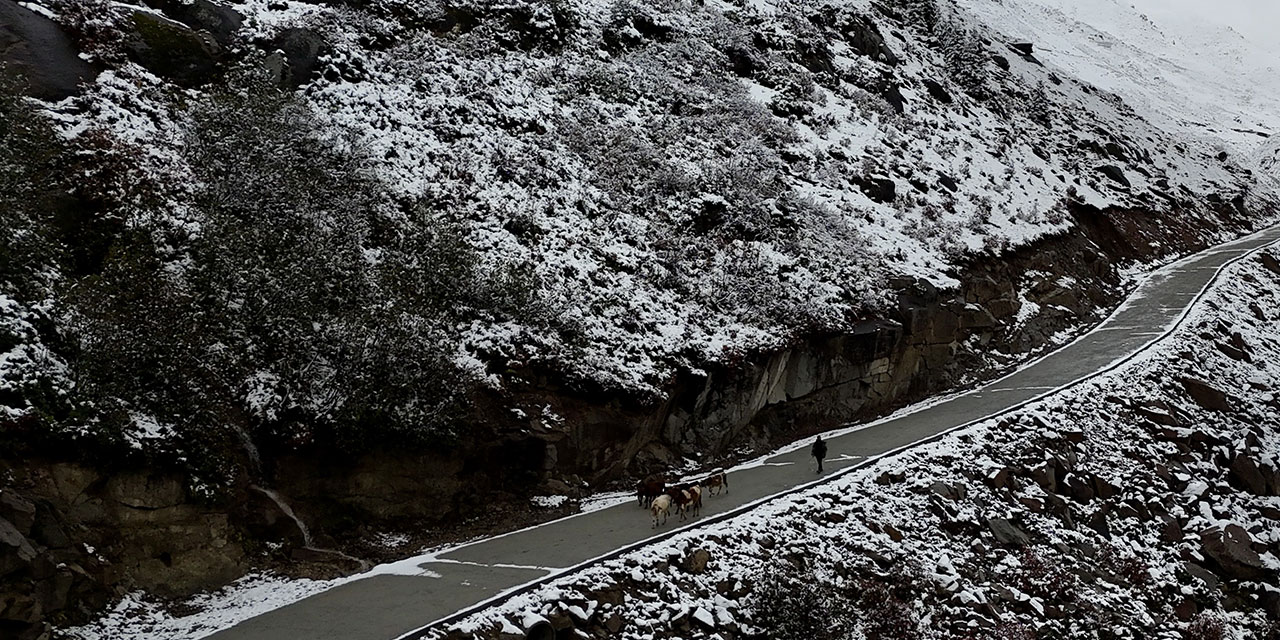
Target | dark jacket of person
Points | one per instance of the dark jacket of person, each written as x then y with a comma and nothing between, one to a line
819,448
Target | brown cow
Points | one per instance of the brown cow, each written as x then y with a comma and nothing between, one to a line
650,488
717,482
686,497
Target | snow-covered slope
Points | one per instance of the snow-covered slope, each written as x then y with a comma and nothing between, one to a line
1207,73
1141,504
683,182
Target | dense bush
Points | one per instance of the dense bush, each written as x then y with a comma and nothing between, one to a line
29,151
793,601
789,603
296,305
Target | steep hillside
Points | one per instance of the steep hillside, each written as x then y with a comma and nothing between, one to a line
356,261
1223,79
1142,504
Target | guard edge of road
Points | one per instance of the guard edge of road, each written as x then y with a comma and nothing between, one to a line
422,632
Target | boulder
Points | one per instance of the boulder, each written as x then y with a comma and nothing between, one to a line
937,91
1025,51
44,55
17,510
878,188
1158,415
893,95
999,478
1245,474
1079,488
1233,352
946,491
1104,489
1115,173
1270,262
862,36
696,562
1231,550
301,49
218,20
16,552
1207,395
20,608
1007,532
173,50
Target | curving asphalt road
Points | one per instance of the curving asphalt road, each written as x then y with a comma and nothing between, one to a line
384,607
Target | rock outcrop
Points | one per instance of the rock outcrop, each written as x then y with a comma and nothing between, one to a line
36,48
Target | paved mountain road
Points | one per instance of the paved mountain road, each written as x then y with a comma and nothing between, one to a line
383,607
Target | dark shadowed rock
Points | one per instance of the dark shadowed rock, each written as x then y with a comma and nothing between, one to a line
1246,475
696,562
18,510
218,20
1207,395
862,36
1104,489
878,188
173,50
1160,412
999,479
1115,173
1186,610
945,490
937,91
1025,50
1270,262
1171,530
1233,352
302,51
16,551
893,95
1205,575
1007,532
35,47
1231,550
1079,488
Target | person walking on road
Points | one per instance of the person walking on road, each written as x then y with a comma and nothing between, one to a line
819,451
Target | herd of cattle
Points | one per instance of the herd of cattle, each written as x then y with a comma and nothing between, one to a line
654,494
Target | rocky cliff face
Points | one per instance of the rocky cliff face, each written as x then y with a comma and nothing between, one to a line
74,538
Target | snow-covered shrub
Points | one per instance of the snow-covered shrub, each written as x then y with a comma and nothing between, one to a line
965,57
923,13
1206,626
29,148
790,603
97,26
1042,575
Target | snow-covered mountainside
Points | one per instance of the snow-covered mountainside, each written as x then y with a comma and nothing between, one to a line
686,181
1215,79
1141,504
262,255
